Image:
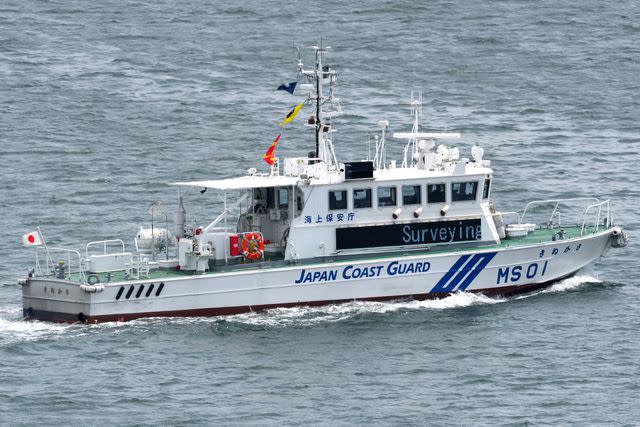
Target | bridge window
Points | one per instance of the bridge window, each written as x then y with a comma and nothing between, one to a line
283,198
387,196
463,191
487,186
436,193
362,198
411,194
299,202
338,199
271,198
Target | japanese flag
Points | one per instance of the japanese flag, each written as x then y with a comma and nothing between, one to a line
32,239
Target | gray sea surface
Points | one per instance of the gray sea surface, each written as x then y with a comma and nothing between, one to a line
103,103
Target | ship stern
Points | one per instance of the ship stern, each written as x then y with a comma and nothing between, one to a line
54,300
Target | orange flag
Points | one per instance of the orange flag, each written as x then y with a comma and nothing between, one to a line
268,156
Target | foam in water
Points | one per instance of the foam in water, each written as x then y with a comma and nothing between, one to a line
571,283
565,285
306,316
20,330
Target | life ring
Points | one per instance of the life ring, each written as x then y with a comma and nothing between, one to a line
252,245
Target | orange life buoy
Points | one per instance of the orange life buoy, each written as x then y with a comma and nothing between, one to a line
252,245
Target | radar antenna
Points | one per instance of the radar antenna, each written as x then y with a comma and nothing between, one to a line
412,148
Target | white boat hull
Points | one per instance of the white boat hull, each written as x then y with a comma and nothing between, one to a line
498,271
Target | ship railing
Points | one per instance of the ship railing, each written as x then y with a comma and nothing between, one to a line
226,211
105,244
594,209
603,211
510,214
72,264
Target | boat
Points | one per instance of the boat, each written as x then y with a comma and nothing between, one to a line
312,231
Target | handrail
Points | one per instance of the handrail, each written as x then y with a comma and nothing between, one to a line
594,203
559,215
103,242
557,202
69,252
596,224
510,213
225,212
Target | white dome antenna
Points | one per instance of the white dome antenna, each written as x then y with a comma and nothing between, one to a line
426,144
477,153
443,150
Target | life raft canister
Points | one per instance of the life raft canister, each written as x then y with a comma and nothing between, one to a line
252,245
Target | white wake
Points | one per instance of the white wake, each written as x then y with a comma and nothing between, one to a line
13,328
308,316
569,284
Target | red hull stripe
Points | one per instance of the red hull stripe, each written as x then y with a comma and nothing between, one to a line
52,316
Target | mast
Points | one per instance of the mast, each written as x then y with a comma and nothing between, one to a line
318,70
324,151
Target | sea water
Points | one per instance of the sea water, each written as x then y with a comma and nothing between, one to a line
103,103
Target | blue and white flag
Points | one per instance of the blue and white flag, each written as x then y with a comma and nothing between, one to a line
288,87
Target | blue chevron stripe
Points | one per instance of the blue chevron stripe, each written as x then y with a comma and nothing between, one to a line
486,259
441,285
463,272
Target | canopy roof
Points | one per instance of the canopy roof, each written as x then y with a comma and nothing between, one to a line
243,182
427,135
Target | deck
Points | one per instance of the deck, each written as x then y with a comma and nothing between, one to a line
541,235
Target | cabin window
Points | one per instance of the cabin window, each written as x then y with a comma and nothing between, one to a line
487,186
271,197
362,198
436,193
387,196
338,199
283,198
411,195
299,201
259,200
463,191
